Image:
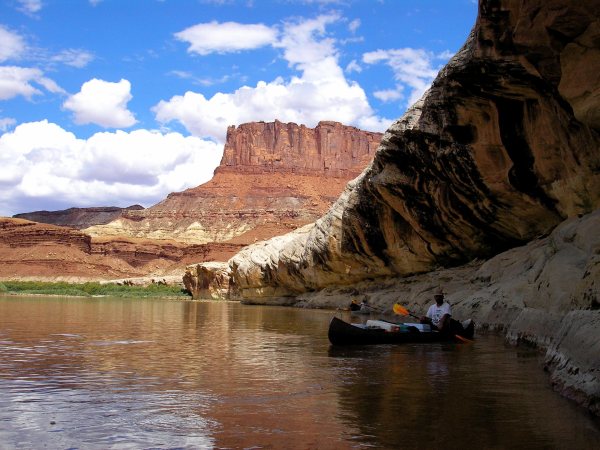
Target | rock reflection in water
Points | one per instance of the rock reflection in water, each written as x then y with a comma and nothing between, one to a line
113,373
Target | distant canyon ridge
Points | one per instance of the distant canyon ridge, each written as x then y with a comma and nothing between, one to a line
273,178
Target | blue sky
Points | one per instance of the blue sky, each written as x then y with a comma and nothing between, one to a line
115,102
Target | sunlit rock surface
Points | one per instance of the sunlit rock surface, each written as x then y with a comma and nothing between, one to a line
501,149
273,178
209,280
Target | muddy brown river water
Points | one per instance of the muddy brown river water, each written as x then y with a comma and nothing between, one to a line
128,373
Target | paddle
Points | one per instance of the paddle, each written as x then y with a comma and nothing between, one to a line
401,310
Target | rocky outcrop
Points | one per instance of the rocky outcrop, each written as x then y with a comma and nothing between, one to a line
273,178
78,218
330,149
209,280
494,155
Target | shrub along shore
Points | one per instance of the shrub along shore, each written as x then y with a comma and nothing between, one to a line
91,289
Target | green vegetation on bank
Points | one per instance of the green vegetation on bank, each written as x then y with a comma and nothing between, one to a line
91,289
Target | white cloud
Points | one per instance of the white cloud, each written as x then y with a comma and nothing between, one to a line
30,6
354,25
103,103
43,163
15,81
6,123
413,68
73,57
353,66
12,45
320,92
389,95
207,81
215,37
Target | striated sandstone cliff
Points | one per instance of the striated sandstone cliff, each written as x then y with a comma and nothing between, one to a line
492,156
271,180
330,149
504,147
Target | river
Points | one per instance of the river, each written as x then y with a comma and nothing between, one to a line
110,373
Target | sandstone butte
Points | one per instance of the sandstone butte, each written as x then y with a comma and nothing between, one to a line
488,186
273,178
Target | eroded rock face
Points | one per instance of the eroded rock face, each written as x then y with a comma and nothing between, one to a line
273,177
209,280
501,149
330,149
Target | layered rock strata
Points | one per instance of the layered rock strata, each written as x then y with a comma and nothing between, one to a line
273,178
31,250
501,149
78,218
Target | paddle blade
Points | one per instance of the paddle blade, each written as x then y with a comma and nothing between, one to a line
401,310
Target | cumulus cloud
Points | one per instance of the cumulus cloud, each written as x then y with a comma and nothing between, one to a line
44,164
215,37
319,92
102,103
15,81
413,68
12,44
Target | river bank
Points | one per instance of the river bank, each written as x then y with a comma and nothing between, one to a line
92,289
544,294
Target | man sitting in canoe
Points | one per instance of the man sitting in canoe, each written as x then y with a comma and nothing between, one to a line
439,315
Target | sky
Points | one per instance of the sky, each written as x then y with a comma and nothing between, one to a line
120,102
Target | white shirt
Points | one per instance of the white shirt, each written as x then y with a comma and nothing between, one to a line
435,312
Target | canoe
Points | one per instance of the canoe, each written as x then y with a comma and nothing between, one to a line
382,332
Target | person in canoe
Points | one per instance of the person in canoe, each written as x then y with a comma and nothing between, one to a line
354,306
364,305
439,315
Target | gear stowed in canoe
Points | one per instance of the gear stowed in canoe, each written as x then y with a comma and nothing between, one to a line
383,332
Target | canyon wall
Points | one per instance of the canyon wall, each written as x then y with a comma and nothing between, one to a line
501,149
274,177
330,149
